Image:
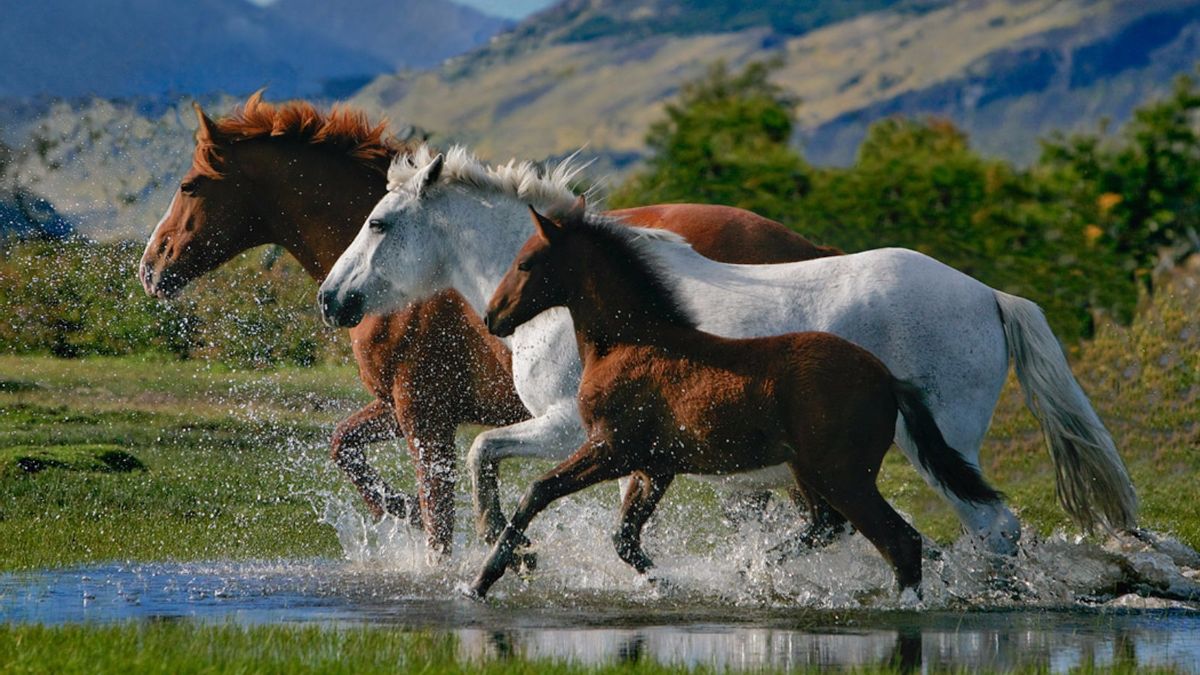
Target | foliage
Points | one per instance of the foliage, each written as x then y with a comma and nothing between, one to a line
1066,233
77,298
1141,189
724,142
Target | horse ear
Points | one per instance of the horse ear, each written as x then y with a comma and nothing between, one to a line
207,131
431,173
547,229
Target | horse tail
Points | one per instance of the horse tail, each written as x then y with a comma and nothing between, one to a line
940,461
1092,483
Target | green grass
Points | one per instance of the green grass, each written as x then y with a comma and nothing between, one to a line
184,647
230,459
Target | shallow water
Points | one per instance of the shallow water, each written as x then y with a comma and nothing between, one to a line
715,599
638,624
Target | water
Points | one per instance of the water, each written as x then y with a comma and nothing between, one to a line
1060,604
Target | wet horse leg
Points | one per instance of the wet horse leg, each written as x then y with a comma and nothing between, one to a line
592,463
641,498
854,494
376,422
434,456
824,522
552,436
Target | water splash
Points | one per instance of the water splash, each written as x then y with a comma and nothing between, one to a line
702,561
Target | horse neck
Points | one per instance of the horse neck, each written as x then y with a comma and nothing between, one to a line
315,202
610,308
484,233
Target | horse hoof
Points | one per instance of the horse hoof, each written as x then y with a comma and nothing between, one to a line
475,593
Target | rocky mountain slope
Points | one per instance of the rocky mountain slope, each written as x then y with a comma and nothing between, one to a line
587,72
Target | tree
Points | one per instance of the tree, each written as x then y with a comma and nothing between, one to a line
724,141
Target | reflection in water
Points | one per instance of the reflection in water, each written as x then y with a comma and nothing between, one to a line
677,630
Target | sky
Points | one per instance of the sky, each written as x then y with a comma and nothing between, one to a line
510,9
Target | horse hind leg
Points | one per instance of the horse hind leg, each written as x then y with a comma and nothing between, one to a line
856,497
641,498
374,423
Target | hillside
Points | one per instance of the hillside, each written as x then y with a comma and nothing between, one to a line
1006,70
123,48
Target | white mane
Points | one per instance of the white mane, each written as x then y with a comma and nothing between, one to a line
544,188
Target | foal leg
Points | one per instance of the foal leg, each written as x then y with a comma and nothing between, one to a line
824,521
641,498
857,498
374,423
552,435
591,464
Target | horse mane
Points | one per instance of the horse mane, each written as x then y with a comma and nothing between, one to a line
633,249
548,189
342,130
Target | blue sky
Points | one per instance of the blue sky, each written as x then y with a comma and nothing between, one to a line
512,9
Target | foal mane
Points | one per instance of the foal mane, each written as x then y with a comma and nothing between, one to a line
546,188
632,250
342,130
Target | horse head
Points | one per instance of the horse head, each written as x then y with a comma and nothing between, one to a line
211,217
396,256
533,282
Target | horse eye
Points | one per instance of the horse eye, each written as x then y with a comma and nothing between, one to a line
378,225
525,266
188,187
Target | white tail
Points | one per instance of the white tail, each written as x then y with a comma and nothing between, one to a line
1092,483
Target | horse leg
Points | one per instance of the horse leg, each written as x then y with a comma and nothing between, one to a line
994,525
641,498
592,463
825,523
376,422
551,436
854,494
434,456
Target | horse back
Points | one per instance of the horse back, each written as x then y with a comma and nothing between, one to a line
727,234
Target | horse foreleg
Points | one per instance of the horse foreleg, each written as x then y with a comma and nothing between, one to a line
641,498
376,422
434,458
591,464
550,436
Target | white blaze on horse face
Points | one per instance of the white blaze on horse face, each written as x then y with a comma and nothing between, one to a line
154,233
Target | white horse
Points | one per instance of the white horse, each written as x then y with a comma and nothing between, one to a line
453,222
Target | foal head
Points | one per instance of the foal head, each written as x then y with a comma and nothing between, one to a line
599,269
228,201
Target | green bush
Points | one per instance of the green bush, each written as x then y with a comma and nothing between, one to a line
78,298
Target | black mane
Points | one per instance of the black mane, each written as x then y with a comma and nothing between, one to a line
620,244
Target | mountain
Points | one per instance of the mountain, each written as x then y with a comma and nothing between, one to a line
404,34
596,72
125,48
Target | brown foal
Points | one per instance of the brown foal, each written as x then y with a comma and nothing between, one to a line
291,175
660,397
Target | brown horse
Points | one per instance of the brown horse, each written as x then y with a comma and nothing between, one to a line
660,397
291,175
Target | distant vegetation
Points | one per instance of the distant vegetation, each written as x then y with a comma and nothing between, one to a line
1079,232
78,298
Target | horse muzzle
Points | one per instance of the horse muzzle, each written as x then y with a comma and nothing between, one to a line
498,324
343,312
162,284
